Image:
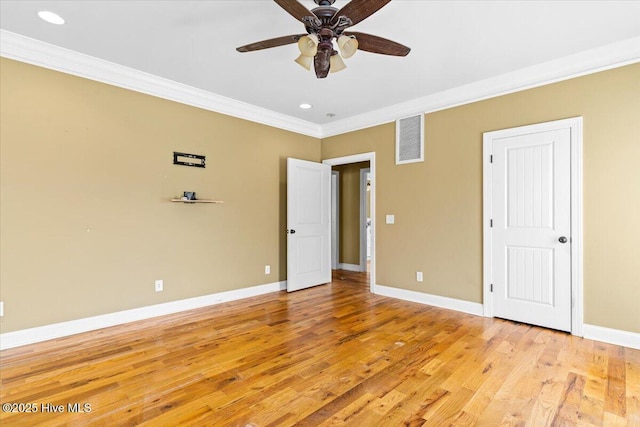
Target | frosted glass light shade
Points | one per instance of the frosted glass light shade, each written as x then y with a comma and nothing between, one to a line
305,61
308,45
336,64
347,45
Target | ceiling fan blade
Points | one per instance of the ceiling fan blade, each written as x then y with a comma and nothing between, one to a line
294,8
358,10
375,44
266,44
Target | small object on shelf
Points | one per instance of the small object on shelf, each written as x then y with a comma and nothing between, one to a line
190,197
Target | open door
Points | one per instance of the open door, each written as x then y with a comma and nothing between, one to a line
308,224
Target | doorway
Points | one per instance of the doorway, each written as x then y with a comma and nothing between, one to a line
370,259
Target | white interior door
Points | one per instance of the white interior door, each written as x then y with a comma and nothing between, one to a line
308,224
364,218
531,231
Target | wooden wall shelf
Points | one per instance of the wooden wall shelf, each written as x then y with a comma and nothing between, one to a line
196,201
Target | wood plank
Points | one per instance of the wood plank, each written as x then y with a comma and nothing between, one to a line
615,401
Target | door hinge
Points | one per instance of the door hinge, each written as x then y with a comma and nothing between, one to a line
491,158
491,287
491,223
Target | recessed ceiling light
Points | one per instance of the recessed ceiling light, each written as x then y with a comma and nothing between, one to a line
50,17
305,106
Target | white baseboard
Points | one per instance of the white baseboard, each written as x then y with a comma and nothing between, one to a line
612,336
597,333
435,300
349,267
63,329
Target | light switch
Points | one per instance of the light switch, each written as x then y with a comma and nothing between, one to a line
391,219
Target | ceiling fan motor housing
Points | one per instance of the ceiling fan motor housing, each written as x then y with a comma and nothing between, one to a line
324,17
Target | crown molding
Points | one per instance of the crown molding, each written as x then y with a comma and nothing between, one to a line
603,58
25,49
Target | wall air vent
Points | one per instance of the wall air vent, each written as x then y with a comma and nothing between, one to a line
410,139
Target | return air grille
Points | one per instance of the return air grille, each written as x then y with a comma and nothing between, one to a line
409,139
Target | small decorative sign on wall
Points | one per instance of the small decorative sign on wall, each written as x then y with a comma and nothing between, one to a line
186,159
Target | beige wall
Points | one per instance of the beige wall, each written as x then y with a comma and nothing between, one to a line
350,211
86,175
438,203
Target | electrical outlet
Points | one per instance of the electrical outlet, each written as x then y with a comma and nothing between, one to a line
267,269
419,276
159,285
1,308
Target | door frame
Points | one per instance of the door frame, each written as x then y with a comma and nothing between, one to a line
574,124
335,219
363,217
371,158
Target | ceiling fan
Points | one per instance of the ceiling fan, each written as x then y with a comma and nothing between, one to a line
326,23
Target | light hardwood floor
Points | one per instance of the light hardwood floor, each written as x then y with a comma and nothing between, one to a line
333,354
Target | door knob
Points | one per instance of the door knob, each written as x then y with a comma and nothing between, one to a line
291,231
562,239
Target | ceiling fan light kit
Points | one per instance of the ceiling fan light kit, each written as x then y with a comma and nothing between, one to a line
324,24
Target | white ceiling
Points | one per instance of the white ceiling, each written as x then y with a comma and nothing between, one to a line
454,44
